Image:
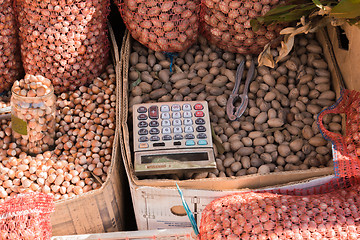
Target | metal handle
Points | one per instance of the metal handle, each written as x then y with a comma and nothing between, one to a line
239,72
7,111
249,77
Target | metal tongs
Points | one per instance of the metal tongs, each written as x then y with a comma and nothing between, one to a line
7,114
233,112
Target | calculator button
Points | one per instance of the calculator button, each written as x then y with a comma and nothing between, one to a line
200,129
201,136
154,124
178,137
186,107
187,115
142,109
154,138
176,122
189,136
164,108
142,124
154,131
199,114
165,115
200,121
143,139
198,106
188,122
143,131
165,123
175,108
153,112
142,116
166,137
143,145
190,143
202,142
160,144
176,115
177,130
188,129
177,143
166,130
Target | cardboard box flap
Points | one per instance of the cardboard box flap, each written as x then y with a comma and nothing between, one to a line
345,42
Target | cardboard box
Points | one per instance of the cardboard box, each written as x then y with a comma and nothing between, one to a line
345,44
101,210
165,234
157,203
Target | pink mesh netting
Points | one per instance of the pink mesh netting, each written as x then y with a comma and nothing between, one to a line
65,41
162,25
227,25
10,62
347,146
264,215
26,216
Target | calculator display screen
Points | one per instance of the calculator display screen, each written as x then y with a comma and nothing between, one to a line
180,157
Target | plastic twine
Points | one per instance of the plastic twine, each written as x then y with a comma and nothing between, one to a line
188,212
171,56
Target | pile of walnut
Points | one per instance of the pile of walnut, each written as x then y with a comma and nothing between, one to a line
81,159
277,132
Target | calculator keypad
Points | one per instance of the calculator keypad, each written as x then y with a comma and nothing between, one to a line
171,125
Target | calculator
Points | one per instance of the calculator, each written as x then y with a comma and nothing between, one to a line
172,137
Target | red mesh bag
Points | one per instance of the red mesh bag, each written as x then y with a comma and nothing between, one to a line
26,216
10,62
65,41
162,25
227,25
269,216
347,147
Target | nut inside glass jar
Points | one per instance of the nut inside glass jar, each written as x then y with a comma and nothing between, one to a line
33,121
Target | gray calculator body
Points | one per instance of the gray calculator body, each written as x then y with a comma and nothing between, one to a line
170,137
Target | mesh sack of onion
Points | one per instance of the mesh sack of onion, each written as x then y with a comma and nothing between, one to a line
227,25
26,216
330,212
10,63
347,146
162,25
64,40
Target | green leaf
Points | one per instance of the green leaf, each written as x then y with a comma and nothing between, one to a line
255,24
354,21
296,14
346,9
137,82
280,9
318,3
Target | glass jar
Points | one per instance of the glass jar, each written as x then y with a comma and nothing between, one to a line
33,122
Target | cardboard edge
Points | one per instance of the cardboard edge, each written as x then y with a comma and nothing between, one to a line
328,50
236,183
114,168
346,56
